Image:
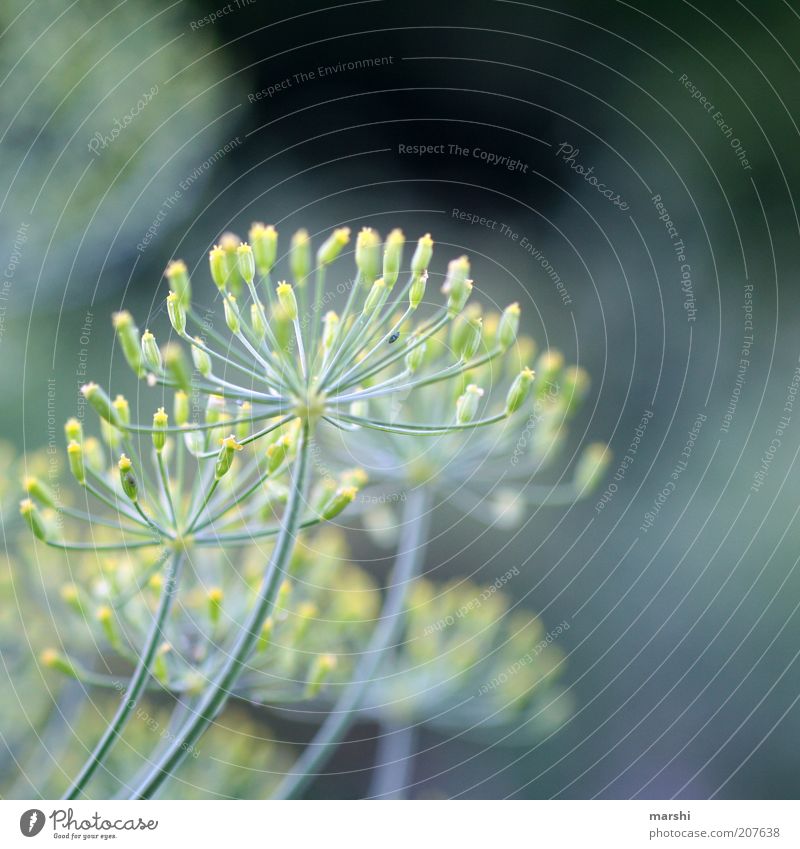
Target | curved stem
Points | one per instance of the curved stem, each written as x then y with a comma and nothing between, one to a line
137,683
395,754
330,733
219,690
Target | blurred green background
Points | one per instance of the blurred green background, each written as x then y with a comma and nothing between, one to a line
683,645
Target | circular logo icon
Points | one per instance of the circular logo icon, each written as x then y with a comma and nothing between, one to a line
31,822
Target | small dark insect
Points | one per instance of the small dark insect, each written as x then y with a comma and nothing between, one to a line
394,337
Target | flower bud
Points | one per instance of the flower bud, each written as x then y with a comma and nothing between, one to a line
277,452
422,255
226,454
509,325
591,466
55,660
243,428
467,404
215,409
232,318
576,383
105,616
40,491
100,402
265,635
333,245
415,357
73,430
215,597
417,291
368,254
457,275
287,300
340,499
466,335
519,391
180,407
128,336
548,371
300,257
177,275
458,298
264,240
150,353
176,312
281,326
30,512
329,327
127,479
94,455
218,266
247,262
160,421
257,319
393,257
229,242
75,456
374,297
177,367
323,665
122,409
201,360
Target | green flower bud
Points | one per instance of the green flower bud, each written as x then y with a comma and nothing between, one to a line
300,257
467,404
40,491
177,367
592,466
247,262
519,391
393,257
324,664
287,299
277,452
177,275
150,353
226,454
176,312
105,616
422,255
111,436
201,360
548,371
215,597
128,336
127,479
340,499
457,275
368,254
415,357
374,297
215,409
160,421
122,409
30,512
73,430
465,336
243,428
509,325
180,408
94,455
417,291
575,385
232,317
265,635
218,266
229,242
333,245
257,319
281,326
100,402
54,660
458,298
264,240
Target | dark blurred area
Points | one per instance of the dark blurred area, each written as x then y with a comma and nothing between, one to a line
671,278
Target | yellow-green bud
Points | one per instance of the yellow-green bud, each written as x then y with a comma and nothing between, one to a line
329,328
127,479
229,242
519,391
340,499
218,266
215,409
264,240
466,335
323,665
160,421
508,327
70,595
591,466
422,255
458,298
105,616
417,291
415,357
548,370
215,597
30,512
40,491
201,360
393,257
265,635
374,297
232,318
175,361
100,402
180,407
128,336
150,353
300,256
176,312
333,245
368,254
576,383
257,319
73,430
54,660
226,454
247,262
281,325
75,456
177,275
287,299
243,428
122,409
467,404
277,452
457,275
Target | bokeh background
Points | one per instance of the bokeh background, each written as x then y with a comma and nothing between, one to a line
136,132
